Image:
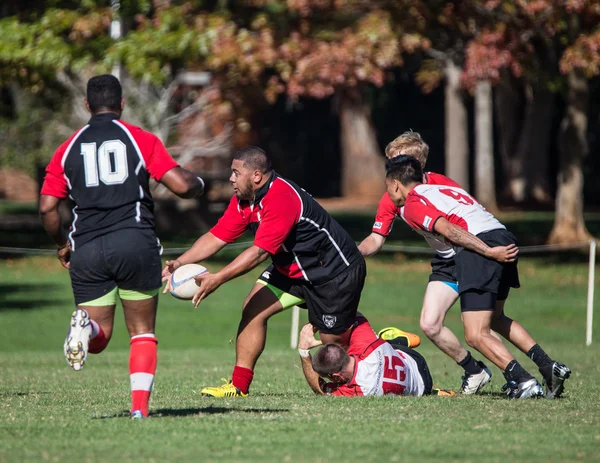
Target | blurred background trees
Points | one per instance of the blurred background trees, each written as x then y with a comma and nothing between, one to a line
500,89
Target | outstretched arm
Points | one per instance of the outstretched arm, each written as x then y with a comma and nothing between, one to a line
371,245
204,247
461,237
246,261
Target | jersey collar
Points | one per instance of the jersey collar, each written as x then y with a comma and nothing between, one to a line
103,117
263,190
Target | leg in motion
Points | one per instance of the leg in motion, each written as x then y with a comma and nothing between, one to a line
477,322
439,298
90,330
260,305
139,309
554,373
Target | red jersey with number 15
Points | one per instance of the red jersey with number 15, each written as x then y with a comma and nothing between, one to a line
380,369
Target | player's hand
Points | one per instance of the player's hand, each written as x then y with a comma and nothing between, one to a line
170,267
504,253
208,283
307,337
64,255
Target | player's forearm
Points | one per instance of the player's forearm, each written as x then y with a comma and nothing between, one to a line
461,237
312,378
51,219
371,245
204,247
246,261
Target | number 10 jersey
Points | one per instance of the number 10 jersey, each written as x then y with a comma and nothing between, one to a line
105,168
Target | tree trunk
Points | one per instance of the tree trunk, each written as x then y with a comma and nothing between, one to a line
509,103
538,175
569,226
457,143
362,163
485,185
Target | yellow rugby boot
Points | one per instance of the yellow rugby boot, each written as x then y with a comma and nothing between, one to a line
389,333
222,391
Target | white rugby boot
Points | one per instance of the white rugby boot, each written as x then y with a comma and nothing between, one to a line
524,390
76,344
472,384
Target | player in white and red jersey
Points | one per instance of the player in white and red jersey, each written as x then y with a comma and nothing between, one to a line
442,289
370,366
486,269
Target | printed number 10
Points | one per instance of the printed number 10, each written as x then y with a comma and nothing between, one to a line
98,166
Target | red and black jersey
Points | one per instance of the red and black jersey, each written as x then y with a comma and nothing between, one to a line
105,168
305,242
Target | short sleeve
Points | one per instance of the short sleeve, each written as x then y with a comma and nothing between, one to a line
281,211
386,214
361,337
420,213
55,183
231,225
159,161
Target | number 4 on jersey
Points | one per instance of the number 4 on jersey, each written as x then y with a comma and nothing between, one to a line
98,165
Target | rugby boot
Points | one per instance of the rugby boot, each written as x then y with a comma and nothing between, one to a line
554,376
222,391
78,338
473,383
523,390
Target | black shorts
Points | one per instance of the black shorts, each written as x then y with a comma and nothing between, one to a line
421,365
331,305
443,270
128,259
484,281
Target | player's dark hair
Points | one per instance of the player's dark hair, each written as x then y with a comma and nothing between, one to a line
406,169
329,359
254,157
104,92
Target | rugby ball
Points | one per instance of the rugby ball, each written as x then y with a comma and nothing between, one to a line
183,285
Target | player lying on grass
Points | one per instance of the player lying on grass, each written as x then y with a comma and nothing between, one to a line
112,251
486,269
442,289
314,262
370,365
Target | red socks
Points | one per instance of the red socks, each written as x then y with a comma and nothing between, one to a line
99,341
142,366
241,378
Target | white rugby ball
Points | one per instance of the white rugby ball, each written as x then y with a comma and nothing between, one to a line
183,285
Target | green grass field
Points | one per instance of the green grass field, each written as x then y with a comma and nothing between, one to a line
50,413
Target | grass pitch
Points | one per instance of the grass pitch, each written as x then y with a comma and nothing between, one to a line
50,413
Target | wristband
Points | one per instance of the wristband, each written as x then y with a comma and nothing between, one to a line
304,352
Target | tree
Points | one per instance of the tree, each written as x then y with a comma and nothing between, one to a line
526,31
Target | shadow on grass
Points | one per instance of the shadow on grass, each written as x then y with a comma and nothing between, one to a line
22,394
170,412
20,295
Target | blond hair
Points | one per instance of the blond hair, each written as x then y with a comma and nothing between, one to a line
409,143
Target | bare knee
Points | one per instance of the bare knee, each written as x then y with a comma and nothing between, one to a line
431,328
473,339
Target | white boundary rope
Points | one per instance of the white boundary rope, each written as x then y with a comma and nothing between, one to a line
393,248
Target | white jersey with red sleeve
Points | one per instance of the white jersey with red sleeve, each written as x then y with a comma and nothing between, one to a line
387,212
425,204
380,369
